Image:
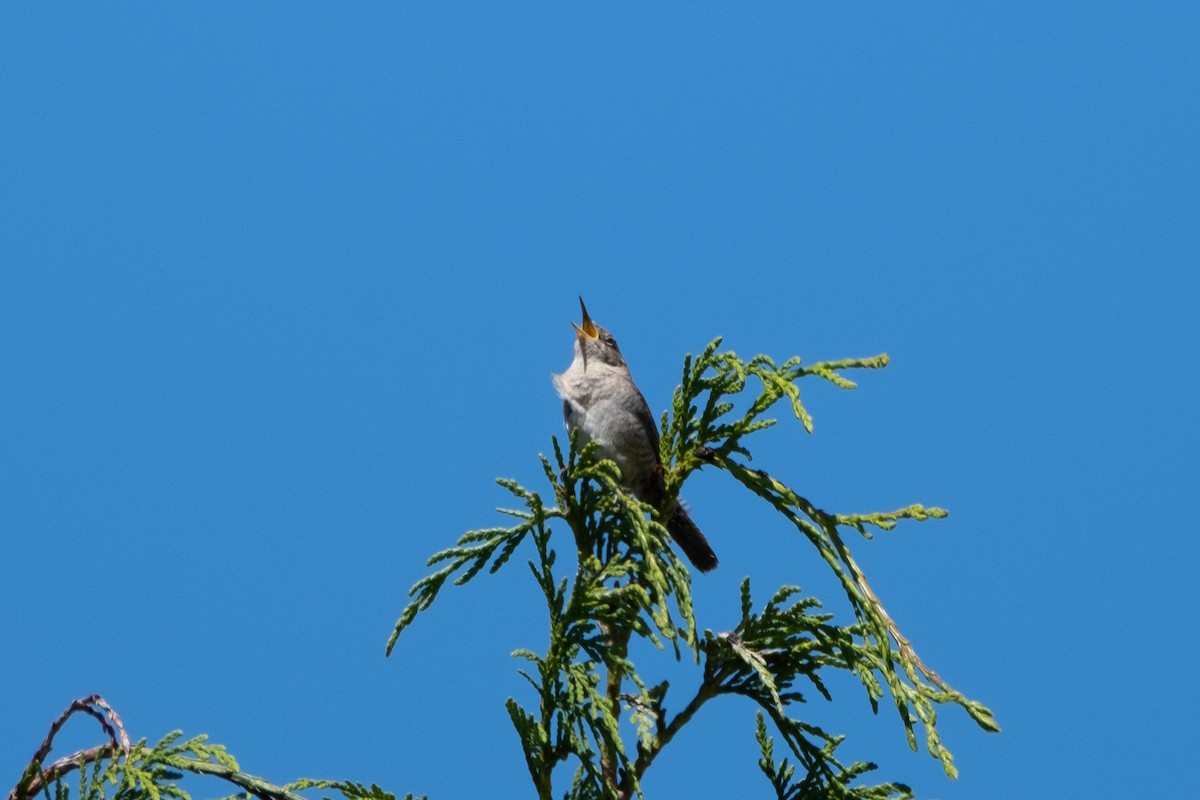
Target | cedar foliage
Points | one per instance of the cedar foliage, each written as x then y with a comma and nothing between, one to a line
625,581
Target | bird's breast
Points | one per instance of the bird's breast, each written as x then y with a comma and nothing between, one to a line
603,406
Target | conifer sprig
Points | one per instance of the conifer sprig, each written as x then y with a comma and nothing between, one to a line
627,582
124,770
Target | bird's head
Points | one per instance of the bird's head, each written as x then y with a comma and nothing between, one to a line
595,343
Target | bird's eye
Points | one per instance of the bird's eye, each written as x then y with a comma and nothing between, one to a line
609,340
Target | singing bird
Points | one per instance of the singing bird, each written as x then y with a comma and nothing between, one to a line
602,402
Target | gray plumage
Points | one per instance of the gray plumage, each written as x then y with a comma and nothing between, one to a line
602,402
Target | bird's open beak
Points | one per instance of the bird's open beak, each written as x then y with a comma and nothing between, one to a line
587,327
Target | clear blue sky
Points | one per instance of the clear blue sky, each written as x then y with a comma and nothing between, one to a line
282,286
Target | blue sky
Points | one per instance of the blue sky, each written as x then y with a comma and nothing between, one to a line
281,288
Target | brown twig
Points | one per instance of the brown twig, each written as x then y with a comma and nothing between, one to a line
35,778
909,658
666,733
618,641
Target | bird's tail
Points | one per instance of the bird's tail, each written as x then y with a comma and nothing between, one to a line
690,540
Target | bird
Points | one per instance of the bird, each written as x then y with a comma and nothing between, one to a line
601,401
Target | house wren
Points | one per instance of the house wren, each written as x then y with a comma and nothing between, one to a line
602,402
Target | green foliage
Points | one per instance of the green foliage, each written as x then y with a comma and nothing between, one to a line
120,770
624,581
811,787
627,582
